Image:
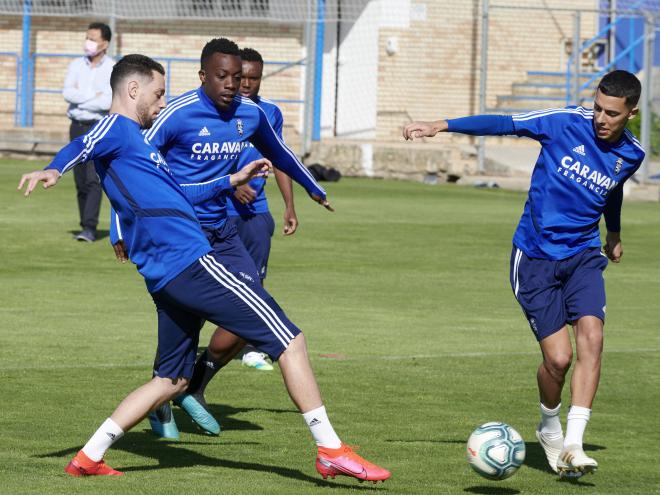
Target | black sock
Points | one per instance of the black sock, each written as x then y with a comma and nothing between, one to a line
156,362
205,369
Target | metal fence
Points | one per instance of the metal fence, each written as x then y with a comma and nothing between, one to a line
621,39
311,14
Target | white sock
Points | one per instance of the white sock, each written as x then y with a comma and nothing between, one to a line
322,431
578,417
105,436
550,422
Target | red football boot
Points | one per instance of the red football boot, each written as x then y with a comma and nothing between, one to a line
81,465
344,461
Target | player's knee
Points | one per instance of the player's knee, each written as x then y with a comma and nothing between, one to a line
559,363
180,385
172,387
297,349
592,339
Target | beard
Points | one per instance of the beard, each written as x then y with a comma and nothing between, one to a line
145,115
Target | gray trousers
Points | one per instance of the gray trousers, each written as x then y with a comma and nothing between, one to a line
88,186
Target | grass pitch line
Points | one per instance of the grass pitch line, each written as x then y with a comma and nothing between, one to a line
486,354
343,358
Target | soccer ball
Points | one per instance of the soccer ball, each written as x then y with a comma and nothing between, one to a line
495,450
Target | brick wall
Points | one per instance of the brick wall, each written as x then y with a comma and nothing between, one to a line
180,39
435,73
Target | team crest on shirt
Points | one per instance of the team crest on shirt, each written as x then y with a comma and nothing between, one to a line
619,164
239,126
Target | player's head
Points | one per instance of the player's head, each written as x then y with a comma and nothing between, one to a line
138,85
97,39
253,68
220,71
615,104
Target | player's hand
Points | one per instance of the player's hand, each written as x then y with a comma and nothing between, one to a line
245,194
256,168
612,247
48,177
290,221
423,129
120,251
322,202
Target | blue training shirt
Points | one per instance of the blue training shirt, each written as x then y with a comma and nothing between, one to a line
249,154
155,216
574,176
202,143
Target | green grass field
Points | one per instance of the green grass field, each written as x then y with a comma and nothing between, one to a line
414,334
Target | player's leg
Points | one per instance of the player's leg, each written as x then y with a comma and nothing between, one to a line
551,375
224,345
539,293
246,309
589,349
161,419
222,348
178,333
89,460
585,299
256,232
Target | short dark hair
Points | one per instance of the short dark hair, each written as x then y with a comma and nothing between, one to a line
218,45
251,55
134,64
106,32
622,84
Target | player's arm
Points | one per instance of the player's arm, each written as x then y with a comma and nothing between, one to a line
476,125
271,146
69,156
285,184
97,143
116,238
204,191
612,214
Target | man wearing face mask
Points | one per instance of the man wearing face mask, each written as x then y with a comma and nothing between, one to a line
87,91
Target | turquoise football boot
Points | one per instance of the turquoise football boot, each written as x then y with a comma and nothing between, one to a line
163,424
195,406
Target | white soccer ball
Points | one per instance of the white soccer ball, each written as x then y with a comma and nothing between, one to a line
495,450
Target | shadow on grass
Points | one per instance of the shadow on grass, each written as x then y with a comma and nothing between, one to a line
225,416
535,457
174,455
491,490
100,234
425,440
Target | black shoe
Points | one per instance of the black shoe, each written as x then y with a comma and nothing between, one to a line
86,235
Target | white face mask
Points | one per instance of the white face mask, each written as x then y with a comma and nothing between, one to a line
91,48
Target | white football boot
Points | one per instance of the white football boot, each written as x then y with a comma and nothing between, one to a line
573,462
551,447
256,360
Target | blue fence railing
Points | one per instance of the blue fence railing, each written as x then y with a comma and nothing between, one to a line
623,58
26,87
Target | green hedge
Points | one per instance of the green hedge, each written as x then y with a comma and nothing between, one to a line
635,126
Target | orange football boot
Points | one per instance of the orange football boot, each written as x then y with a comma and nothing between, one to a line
81,465
344,461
